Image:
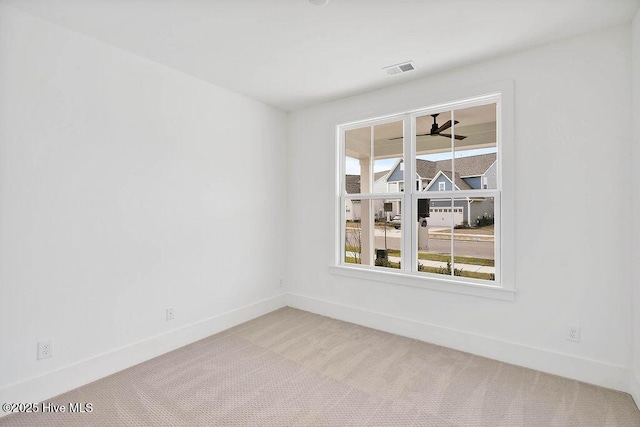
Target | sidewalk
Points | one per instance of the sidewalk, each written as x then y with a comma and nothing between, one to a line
440,264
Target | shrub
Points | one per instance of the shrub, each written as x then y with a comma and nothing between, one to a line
484,220
447,270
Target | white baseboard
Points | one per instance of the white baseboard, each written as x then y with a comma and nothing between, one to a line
634,386
83,372
564,365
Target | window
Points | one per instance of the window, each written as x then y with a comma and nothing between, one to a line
454,236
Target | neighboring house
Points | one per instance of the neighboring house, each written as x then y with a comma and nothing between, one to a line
353,209
473,172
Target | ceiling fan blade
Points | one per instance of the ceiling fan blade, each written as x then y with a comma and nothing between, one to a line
459,137
445,126
400,137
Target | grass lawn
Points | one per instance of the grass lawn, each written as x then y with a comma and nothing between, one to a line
473,274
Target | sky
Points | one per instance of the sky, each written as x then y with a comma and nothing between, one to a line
352,166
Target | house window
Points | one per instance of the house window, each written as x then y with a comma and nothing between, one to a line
452,144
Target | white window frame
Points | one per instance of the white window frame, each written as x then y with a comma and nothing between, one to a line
442,186
504,287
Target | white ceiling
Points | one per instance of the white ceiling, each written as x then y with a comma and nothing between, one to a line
291,54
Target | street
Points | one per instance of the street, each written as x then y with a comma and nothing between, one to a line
438,245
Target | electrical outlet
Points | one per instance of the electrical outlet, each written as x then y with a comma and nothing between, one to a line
45,349
281,283
170,313
573,333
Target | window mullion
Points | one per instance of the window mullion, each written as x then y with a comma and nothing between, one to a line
453,188
409,242
371,230
341,191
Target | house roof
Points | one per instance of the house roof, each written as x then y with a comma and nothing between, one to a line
472,165
465,166
426,168
352,182
378,175
460,183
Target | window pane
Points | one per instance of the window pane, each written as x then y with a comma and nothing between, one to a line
388,167
476,147
474,238
434,236
358,165
353,231
388,233
372,235
433,152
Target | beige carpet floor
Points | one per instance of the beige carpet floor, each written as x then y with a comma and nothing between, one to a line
294,368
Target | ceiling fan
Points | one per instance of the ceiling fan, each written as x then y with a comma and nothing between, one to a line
437,130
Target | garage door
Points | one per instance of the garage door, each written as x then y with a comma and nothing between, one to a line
442,216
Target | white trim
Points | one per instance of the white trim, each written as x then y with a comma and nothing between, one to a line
491,96
374,196
380,120
388,174
436,282
409,237
457,194
634,384
440,173
85,371
500,93
393,169
596,372
340,188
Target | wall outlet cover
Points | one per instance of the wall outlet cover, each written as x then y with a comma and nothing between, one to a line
45,349
573,333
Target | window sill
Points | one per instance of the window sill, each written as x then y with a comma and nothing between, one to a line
420,281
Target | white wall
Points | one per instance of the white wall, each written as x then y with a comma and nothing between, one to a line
572,151
125,187
635,376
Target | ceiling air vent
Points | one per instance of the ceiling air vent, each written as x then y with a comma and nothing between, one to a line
399,68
